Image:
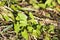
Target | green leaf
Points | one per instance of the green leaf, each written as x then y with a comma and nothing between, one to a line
58,1
31,15
38,32
23,23
48,2
2,3
21,17
14,8
32,1
51,29
36,6
19,7
42,5
44,27
25,34
33,21
54,3
30,29
17,27
1,17
6,18
13,1
39,27
34,33
47,37
17,18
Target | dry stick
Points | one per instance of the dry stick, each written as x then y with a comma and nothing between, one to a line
8,27
58,19
8,8
28,9
58,29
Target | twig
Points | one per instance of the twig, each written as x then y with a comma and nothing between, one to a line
8,8
8,27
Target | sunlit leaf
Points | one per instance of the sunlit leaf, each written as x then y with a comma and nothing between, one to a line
13,1
39,27
47,37
36,6
33,21
48,2
21,17
31,15
25,34
14,8
51,29
23,23
32,1
7,18
1,17
42,5
30,29
17,27
38,32
2,3
58,1
34,33
54,3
